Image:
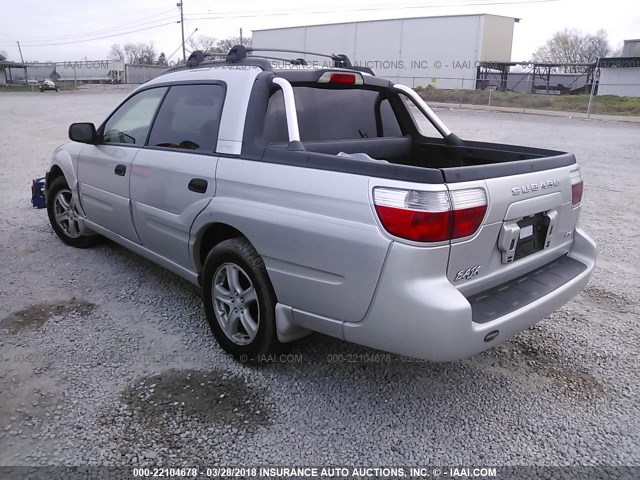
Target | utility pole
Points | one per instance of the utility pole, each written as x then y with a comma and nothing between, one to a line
20,50
184,54
26,78
596,72
241,42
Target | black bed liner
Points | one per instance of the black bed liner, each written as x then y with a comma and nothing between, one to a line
505,160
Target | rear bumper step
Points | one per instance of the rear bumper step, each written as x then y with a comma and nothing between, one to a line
521,291
418,312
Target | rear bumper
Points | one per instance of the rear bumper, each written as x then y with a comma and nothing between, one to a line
426,317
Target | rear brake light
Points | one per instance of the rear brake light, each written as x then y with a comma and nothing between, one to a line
341,78
430,216
469,207
576,186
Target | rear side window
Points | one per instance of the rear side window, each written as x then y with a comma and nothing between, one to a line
189,118
333,114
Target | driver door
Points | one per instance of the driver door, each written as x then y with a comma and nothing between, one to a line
104,169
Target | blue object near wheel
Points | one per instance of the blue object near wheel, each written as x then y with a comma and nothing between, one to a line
37,193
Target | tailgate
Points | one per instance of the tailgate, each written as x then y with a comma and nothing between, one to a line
530,221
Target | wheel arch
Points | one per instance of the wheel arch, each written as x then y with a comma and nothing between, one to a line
62,165
211,235
54,172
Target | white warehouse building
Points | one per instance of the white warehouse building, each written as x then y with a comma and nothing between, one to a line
440,51
621,75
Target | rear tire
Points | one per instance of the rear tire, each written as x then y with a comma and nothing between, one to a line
239,300
63,215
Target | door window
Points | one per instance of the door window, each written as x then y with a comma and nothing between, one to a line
131,122
189,118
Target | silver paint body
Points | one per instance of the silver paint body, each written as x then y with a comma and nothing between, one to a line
333,267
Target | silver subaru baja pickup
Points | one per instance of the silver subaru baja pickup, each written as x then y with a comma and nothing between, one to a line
328,200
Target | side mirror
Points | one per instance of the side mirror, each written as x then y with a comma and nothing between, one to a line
83,133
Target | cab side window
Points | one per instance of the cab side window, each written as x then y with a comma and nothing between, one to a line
131,122
189,118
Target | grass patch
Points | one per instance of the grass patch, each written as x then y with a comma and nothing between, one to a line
604,104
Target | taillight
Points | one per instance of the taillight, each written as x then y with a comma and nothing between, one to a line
469,207
430,216
341,78
576,186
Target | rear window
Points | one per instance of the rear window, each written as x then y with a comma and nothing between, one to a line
333,114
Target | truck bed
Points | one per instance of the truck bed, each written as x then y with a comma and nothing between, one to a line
448,163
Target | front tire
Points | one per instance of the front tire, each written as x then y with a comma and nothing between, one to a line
239,300
63,215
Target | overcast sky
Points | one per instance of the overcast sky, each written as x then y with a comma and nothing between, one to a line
76,25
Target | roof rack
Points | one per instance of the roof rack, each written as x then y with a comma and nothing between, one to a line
239,54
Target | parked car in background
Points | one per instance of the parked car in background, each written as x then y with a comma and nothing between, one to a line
49,84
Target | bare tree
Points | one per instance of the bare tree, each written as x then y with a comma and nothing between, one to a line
140,53
617,51
116,52
226,44
4,54
205,43
573,46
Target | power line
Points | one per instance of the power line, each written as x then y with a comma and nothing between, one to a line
75,22
102,31
202,16
98,38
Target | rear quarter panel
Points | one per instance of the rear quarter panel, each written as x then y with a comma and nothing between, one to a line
315,230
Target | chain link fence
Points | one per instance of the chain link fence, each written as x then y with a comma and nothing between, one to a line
616,91
137,74
530,96
76,73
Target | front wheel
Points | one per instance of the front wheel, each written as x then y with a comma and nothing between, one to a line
64,216
239,300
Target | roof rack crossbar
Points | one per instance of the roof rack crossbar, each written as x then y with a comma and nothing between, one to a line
340,60
239,54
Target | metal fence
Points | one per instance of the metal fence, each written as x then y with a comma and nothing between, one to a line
85,71
528,97
76,72
142,73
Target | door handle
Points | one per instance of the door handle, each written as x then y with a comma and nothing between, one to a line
120,170
198,185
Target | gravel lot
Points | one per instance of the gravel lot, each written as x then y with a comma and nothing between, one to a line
107,359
